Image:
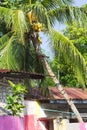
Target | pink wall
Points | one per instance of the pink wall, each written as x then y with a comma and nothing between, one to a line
83,126
11,123
30,122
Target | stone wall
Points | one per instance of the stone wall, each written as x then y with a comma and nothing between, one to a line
4,91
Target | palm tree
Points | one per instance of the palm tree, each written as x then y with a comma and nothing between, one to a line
20,40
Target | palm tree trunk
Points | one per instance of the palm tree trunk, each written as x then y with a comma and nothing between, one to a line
60,88
63,92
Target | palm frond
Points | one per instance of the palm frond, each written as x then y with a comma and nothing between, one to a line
32,62
41,13
67,13
15,56
15,20
11,54
19,24
48,11
51,4
4,39
68,51
67,1
5,16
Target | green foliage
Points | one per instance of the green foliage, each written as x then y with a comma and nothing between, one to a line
65,50
65,73
78,35
14,101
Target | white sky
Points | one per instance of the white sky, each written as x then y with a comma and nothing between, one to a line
80,2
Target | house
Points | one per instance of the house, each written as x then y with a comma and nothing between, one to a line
44,112
50,111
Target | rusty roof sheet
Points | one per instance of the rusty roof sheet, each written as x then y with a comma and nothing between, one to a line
73,93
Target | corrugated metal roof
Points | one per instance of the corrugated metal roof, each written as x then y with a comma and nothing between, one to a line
73,93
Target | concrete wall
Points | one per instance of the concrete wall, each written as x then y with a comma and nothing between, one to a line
73,126
34,108
65,125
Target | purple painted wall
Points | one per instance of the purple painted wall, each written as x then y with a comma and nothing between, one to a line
29,122
11,123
